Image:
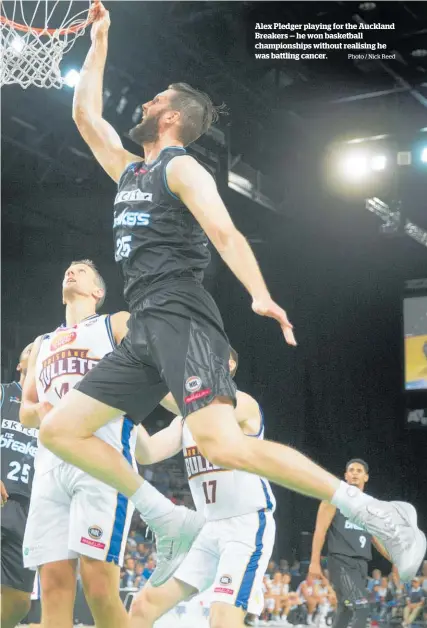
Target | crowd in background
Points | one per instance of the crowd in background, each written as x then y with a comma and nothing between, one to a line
297,600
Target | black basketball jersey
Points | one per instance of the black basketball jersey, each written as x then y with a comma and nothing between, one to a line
156,237
18,444
347,539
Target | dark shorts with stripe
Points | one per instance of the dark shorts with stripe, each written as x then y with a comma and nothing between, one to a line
349,577
13,519
176,342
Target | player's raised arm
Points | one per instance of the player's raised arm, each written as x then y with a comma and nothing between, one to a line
198,191
100,136
32,410
162,445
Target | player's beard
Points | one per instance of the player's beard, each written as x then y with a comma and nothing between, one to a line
145,131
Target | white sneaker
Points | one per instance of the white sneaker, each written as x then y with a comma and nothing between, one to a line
395,525
174,537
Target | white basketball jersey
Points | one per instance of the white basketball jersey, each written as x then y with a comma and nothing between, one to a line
221,493
65,356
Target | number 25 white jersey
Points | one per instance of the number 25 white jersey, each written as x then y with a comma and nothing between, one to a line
65,356
221,493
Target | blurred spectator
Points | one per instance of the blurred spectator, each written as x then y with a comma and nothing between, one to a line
423,577
295,569
307,591
375,580
284,565
271,569
414,603
128,574
131,542
149,568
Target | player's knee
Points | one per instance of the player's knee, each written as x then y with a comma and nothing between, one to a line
143,608
54,580
99,582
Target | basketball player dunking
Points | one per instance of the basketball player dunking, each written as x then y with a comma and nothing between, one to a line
349,551
234,548
176,342
18,448
72,515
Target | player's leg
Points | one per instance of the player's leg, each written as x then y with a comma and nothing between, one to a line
58,592
151,603
348,577
101,586
100,519
15,605
246,545
68,430
16,580
46,547
222,442
195,574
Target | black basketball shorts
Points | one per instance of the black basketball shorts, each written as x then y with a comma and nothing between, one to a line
349,576
13,573
176,342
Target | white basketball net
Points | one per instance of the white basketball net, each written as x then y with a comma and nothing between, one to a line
31,57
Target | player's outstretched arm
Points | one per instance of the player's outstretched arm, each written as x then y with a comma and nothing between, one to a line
162,445
325,514
32,410
100,136
198,191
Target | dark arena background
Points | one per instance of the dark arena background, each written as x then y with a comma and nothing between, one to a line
323,167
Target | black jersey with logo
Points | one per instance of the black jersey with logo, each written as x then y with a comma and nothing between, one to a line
156,237
347,539
18,444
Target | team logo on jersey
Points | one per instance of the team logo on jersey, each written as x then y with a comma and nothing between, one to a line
193,384
14,400
132,196
62,339
95,532
196,464
226,580
68,362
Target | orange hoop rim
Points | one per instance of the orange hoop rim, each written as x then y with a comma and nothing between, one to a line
23,28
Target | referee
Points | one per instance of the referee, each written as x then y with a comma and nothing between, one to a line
349,551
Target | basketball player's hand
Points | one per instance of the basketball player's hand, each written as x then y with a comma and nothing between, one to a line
43,408
315,571
101,20
268,307
4,495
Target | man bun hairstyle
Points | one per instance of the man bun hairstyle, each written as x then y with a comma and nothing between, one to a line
98,278
197,111
358,461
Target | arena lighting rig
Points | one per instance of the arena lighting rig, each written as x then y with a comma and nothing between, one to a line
394,221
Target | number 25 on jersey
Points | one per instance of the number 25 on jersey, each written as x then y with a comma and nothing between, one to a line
122,247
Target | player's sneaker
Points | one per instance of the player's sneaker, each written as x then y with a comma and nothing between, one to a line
395,525
174,536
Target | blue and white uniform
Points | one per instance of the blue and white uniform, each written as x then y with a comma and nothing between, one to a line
71,513
232,552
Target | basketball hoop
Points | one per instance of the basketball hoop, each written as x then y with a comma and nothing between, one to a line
34,37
